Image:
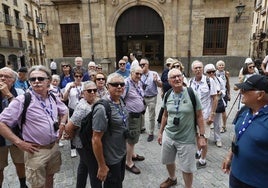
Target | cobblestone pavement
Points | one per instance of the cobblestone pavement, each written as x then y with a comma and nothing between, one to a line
152,171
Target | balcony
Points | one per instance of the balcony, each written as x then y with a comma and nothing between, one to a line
9,20
38,35
31,32
6,43
19,24
28,15
61,2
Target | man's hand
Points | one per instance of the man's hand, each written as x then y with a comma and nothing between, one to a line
29,147
103,172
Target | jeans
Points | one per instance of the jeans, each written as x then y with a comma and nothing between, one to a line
87,166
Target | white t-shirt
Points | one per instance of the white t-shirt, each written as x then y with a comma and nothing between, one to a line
74,95
264,62
53,65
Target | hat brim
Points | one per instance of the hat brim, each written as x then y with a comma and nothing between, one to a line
245,86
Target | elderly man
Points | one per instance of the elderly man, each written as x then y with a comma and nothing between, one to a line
45,115
78,61
206,88
150,80
122,69
134,61
247,160
7,90
127,62
178,130
135,105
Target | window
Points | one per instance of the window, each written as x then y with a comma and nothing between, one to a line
215,36
71,43
20,40
10,39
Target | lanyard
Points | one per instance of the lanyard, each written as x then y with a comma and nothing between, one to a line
48,109
177,100
137,88
247,122
121,111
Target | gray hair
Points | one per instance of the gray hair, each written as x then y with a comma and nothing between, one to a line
40,68
55,77
171,71
219,63
14,73
88,84
135,68
114,75
195,62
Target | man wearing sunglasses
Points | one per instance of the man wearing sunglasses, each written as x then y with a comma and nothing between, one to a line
7,93
43,127
134,100
150,80
122,69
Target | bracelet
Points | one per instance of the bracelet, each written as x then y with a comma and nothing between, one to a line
213,113
62,123
202,135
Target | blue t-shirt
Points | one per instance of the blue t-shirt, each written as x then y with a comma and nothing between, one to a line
250,165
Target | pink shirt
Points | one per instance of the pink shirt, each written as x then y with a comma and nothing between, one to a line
40,117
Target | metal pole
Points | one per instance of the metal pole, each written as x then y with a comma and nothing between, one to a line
232,106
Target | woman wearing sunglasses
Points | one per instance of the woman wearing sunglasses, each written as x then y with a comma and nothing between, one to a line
73,93
72,131
100,80
178,65
66,75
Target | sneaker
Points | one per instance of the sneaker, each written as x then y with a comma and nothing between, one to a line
219,144
150,138
200,165
223,130
73,153
168,183
143,130
197,155
211,126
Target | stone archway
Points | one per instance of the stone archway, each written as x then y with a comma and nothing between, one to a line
140,29
2,61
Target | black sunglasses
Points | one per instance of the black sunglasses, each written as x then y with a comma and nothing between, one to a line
99,79
142,65
40,79
121,64
90,90
116,84
176,66
138,74
209,72
78,76
65,66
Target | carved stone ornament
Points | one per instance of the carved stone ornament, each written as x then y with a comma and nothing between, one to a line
162,1
114,2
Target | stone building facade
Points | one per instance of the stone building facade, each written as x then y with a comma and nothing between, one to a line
21,41
105,30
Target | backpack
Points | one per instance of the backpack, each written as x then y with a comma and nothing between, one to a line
86,131
192,97
18,129
207,80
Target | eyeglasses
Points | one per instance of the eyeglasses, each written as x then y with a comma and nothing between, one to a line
116,84
39,79
251,67
176,76
5,76
142,65
138,74
99,79
78,76
99,68
209,72
121,64
65,66
90,90
176,66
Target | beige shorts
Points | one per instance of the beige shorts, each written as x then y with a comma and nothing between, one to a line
185,152
16,154
40,164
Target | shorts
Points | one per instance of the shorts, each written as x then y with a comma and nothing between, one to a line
16,154
186,154
134,125
40,164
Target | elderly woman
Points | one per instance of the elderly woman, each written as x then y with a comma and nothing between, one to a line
178,65
72,131
73,93
66,75
100,80
109,142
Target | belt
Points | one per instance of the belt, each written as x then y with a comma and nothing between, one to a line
48,146
149,96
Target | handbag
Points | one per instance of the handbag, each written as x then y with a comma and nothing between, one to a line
220,106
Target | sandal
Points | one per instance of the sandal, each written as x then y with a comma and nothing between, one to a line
223,130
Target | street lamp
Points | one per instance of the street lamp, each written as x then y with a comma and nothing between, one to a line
42,26
240,10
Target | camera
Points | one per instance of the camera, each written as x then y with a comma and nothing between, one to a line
234,148
176,121
56,126
144,86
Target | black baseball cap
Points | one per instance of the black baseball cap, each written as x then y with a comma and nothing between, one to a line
23,69
255,82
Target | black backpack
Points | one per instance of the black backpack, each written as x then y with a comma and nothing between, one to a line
86,131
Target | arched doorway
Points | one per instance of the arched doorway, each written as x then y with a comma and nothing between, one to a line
13,61
2,61
140,30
